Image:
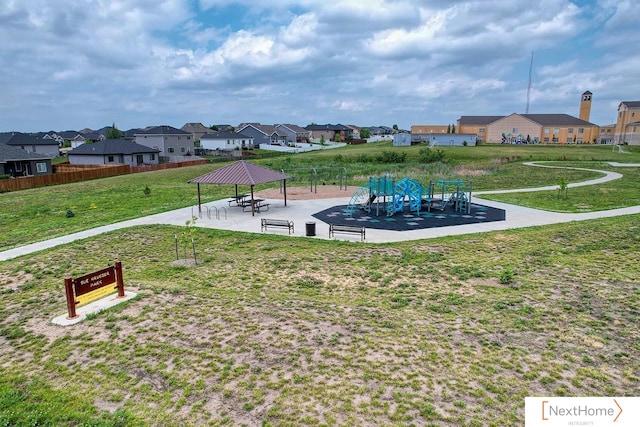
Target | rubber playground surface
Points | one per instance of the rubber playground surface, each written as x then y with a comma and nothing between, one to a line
407,221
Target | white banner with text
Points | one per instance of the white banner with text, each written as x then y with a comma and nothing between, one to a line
582,411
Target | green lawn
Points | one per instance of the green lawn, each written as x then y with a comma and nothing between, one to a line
271,330
37,214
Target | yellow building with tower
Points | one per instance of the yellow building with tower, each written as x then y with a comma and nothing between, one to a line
517,128
627,130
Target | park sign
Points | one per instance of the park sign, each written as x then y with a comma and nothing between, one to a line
93,286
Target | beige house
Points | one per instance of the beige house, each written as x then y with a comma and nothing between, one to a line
628,124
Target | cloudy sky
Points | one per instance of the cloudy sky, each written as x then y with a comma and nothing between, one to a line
71,64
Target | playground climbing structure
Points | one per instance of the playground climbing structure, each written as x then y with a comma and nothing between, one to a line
385,195
456,193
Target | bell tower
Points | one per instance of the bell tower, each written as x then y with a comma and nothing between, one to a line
585,106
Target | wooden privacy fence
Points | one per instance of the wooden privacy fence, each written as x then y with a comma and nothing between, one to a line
147,168
63,174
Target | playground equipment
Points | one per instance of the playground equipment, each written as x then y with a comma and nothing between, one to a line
324,174
456,193
386,195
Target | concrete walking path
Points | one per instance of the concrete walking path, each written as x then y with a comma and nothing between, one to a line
301,212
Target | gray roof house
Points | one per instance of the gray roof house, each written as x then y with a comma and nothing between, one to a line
197,129
294,133
17,162
169,140
46,147
113,152
226,140
262,134
329,131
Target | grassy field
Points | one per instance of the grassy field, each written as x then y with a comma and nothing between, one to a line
269,330
36,214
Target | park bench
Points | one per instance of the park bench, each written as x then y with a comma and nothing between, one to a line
283,223
352,229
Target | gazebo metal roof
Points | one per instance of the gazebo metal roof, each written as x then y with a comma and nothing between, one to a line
241,173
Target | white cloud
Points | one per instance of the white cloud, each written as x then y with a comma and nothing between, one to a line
344,60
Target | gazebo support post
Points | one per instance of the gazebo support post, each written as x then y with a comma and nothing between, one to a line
199,202
285,191
253,206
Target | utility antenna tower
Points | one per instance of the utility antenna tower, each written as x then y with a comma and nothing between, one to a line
529,87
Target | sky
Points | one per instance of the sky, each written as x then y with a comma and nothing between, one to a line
75,64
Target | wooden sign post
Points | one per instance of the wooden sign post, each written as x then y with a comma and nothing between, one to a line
93,286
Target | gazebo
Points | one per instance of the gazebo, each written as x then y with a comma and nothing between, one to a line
241,173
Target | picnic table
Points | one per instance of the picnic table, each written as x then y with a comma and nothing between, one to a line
238,199
258,205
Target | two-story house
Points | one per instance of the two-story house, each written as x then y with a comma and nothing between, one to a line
47,147
169,140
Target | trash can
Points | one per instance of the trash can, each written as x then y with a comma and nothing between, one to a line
311,228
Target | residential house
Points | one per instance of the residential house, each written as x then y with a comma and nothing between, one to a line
197,129
35,144
95,135
51,135
17,162
355,131
169,140
113,152
262,134
294,133
330,132
628,123
225,140
71,138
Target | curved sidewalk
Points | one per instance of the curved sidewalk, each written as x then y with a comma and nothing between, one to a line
301,212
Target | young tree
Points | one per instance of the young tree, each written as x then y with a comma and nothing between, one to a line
365,133
113,133
395,127
448,128
453,128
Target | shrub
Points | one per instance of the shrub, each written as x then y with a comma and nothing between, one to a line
507,275
430,155
70,213
5,176
391,157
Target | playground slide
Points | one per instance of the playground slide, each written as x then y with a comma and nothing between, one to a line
395,195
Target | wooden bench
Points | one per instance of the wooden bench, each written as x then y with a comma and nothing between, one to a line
284,223
352,229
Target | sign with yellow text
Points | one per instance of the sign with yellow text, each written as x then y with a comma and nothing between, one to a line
94,285
94,295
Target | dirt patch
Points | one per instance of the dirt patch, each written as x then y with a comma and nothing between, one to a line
306,193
